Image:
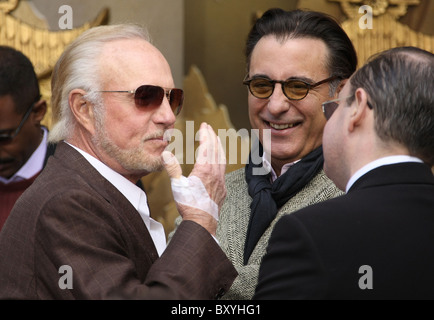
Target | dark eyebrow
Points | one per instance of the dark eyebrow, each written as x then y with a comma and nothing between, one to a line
307,80
260,76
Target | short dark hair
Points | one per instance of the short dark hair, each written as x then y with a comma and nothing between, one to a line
18,78
342,61
399,83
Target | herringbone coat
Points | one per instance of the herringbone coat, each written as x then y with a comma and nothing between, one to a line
234,220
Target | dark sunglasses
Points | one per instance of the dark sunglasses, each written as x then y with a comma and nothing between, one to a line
148,95
6,136
329,107
293,89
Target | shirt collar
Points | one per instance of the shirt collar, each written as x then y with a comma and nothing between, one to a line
135,195
33,165
378,163
269,167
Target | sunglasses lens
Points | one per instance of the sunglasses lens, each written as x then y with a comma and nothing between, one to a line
261,88
5,138
176,99
296,90
329,109
149,96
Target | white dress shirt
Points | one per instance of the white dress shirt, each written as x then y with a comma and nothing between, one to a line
378,163
135,195
33,165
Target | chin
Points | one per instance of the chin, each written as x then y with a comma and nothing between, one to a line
284,153
153,165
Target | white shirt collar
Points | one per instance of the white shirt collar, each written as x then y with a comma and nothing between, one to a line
268,167
33,165
378,163
135,195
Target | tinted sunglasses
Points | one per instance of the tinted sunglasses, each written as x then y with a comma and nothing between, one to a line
329,107
149,95
293,89
6,136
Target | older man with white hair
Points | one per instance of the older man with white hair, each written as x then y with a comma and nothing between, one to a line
84,230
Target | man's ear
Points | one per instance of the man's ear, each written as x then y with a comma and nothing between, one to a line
39,111
82,109
359,109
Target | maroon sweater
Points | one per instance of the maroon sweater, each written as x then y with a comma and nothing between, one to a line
9,194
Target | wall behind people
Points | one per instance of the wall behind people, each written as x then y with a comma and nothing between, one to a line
163,18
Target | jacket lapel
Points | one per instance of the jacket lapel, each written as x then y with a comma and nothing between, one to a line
145,248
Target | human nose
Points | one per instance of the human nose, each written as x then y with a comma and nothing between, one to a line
165,113
278,102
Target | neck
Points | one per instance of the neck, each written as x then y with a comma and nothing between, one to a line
375,151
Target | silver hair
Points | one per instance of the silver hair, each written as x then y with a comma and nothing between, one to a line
78,68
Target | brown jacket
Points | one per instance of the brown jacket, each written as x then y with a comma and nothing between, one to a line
72,216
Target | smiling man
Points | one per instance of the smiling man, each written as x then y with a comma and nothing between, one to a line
295,61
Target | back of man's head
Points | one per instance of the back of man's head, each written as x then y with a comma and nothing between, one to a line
400,85
18,78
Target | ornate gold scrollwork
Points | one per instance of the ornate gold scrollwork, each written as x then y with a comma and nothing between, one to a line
386,32
8,5
42,47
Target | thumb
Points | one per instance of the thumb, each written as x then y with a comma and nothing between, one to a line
171,165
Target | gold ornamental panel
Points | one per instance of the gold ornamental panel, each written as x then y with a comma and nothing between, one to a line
43,47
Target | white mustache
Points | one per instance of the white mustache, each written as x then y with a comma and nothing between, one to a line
165,134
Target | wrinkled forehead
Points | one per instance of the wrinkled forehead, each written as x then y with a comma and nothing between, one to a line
133,62
290,57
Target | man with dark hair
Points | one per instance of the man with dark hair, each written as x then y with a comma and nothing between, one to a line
295,61
23,141
375,242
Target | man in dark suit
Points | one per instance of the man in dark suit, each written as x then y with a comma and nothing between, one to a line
375,242
23,140
83,230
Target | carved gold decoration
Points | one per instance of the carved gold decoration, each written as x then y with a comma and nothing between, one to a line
42,47
387,32
395,8
8,6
